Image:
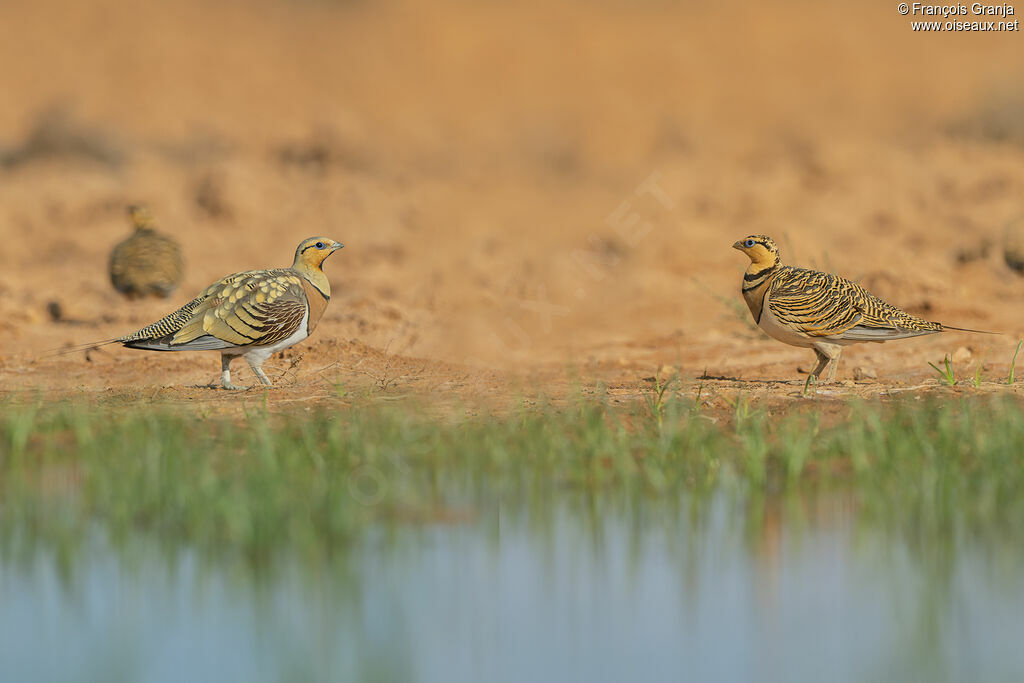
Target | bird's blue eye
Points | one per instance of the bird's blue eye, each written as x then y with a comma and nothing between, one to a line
319,245
748,244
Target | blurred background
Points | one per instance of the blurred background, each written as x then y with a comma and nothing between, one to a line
516,183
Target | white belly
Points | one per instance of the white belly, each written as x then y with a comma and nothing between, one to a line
777,330
787,335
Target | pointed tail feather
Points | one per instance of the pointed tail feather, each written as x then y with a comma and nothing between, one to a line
967,329
65,350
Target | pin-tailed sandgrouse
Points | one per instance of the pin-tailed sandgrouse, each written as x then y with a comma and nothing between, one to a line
149,263
824,312
252,314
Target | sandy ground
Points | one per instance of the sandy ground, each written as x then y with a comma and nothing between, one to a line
533,198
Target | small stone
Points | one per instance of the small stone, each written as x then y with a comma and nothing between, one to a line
961,355
1013,245
974,252
863,372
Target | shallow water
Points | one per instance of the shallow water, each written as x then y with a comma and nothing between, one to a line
575,589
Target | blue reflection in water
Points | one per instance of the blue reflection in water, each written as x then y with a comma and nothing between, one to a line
565,594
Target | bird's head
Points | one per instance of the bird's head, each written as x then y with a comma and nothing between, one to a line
312,253
141,217
760,249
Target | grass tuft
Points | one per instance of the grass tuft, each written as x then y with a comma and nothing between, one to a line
1013,362
946,372
977,379
660,395
808,383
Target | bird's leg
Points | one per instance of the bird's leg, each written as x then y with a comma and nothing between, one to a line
827,355
823,362
225,371
257,369
833,367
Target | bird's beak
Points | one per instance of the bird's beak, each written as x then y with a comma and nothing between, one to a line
336,247
738,245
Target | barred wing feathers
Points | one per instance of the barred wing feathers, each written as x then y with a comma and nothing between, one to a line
823,305
254,308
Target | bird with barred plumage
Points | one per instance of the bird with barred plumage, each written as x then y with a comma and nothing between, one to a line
148,263
252,314
811,309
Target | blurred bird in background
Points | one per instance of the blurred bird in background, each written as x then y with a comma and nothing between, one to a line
149,263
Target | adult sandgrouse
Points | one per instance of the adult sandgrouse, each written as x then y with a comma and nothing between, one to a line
824,312
148,263
252,314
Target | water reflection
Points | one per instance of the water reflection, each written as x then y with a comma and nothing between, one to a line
569,587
